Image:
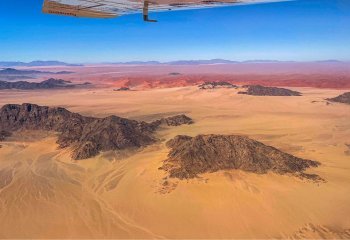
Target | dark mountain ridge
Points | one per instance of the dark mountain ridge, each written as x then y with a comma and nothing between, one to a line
87,136
13,71
47,84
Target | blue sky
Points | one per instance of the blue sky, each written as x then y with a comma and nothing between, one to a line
302,30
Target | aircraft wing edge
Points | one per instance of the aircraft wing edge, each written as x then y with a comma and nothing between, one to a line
56,8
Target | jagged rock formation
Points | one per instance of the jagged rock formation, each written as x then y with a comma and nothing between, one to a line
213,85
47,84
258,90
190,156
344,98
87,136
173,121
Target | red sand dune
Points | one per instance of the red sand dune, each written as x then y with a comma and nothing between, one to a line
161,81
321,75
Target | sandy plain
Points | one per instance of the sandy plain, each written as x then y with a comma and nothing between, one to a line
44,194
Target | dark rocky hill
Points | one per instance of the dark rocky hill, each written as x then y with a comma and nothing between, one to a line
111,133
47,84
258,90
87,136
344,98
28,116
190,156
122,89
213,85
173,121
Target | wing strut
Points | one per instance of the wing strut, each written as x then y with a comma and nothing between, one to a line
145,12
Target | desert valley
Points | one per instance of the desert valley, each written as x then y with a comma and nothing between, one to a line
176,150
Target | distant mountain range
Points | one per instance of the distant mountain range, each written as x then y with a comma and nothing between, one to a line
178,62
36,64
11,74
12,71
47,84
212,61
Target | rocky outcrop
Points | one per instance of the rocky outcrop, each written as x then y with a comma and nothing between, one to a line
214,85
258,90
177,120
87,136
111,133
191,156
344,98
28,116
47,84
122,89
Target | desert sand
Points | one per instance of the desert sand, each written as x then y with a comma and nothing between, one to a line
45,194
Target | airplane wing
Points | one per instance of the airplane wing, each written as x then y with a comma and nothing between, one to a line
115,8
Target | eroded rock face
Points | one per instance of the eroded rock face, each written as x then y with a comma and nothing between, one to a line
344,98
258,90
190,156
87,136
213,85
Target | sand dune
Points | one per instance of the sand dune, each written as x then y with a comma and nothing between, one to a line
284,74
45,194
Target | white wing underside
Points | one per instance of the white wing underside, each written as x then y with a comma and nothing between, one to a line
114,8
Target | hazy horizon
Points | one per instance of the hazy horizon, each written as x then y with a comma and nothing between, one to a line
184,60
